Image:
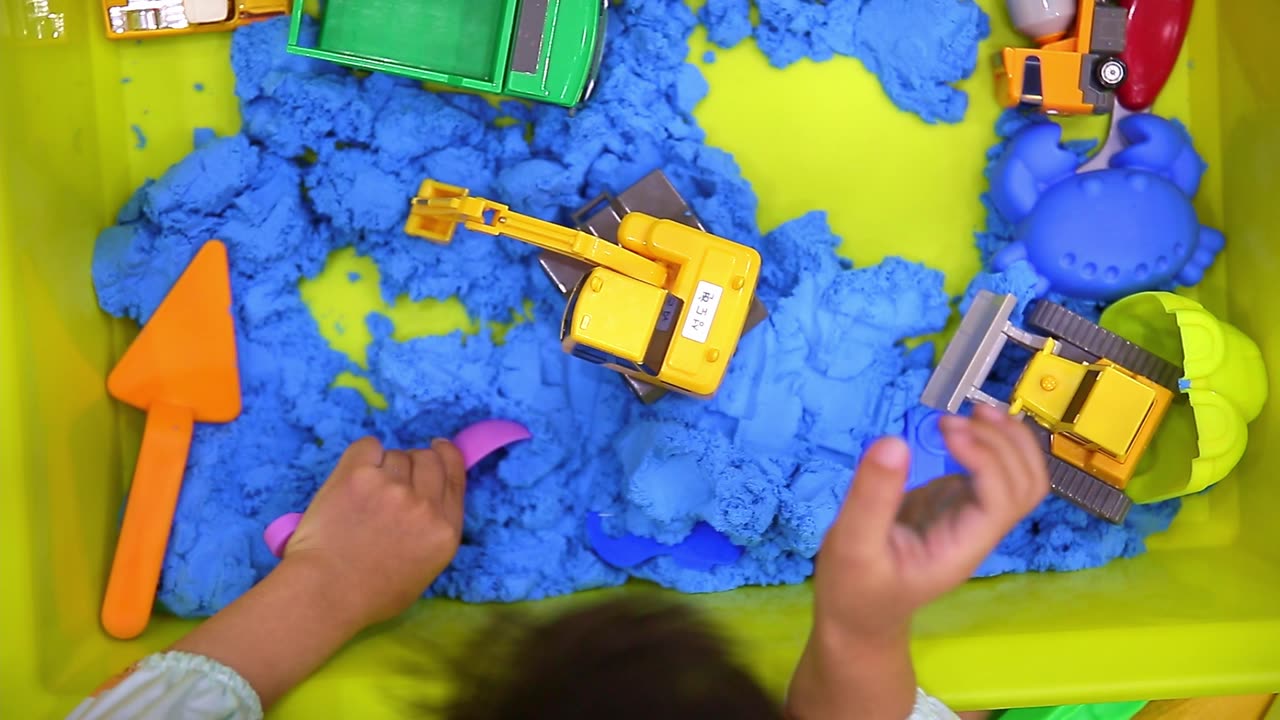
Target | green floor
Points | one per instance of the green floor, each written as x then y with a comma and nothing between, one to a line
460,37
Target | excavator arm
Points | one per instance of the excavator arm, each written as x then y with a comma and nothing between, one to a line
439,209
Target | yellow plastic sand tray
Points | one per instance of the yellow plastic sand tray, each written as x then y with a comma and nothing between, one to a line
1198,614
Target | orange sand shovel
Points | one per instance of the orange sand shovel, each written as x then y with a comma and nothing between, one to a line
181,370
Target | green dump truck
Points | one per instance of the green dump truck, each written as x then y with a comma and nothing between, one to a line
543,50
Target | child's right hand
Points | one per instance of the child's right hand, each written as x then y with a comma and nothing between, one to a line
873,571
876,568
384,525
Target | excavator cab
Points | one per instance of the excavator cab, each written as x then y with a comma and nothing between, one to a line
666,304
613,320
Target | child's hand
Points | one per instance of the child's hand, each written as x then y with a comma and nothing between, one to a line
380,530
878,566
874,571
384,525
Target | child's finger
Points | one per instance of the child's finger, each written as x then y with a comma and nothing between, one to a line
871,507
983,462
365,452
397,465
1023,456
971,542
973,456
995,428
1011,481
455,470
428,475
961,541
1034,485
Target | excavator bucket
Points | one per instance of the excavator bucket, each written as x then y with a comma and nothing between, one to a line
432,220
185,356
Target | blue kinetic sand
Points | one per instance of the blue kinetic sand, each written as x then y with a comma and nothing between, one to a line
919,49
327,160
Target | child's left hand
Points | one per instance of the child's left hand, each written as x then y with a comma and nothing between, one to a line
384,525
379,531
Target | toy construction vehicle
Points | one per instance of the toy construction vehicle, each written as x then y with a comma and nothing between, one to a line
136,19
665,305
544,50
1094,398
1068,74
653,195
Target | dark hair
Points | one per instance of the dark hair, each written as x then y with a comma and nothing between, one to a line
629,657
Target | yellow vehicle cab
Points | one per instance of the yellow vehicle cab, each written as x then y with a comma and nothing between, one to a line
1102,416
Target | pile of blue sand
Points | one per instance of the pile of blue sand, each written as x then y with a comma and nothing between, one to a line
327,159
918,48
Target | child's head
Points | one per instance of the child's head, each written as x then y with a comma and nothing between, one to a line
626,658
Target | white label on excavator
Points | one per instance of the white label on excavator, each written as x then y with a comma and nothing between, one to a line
702,312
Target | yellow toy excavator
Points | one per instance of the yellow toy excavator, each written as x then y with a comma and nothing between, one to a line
666,305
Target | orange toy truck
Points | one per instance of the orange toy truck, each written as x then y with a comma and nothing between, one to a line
1076,67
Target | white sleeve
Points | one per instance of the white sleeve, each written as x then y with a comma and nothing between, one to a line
930,708
173,685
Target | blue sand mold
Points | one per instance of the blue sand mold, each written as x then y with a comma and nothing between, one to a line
704,548
709,57
765,463
353,277
140,140
1151,236
930,458
199,87
918,48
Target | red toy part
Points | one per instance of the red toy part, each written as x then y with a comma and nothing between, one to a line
1153,40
